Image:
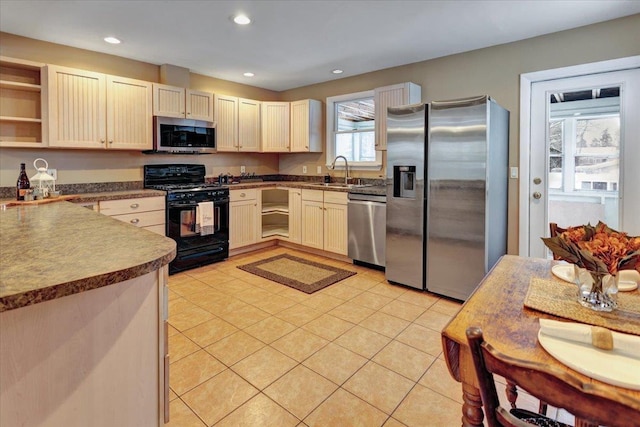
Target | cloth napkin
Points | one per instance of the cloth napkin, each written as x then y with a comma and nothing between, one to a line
204,218
579,332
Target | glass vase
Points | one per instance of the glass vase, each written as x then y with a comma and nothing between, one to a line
596,291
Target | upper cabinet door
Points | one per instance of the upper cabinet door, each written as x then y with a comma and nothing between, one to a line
226,118
392,96
275,127
129,114
199,105
168,101
306,126
77,102
249,125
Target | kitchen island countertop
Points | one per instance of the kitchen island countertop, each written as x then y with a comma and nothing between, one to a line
53,250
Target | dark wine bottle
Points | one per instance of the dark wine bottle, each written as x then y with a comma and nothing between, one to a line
23,183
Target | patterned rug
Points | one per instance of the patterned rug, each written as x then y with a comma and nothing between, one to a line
297,273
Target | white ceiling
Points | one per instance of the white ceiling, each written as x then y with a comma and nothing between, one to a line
296,43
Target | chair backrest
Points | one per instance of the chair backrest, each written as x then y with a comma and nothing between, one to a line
587,401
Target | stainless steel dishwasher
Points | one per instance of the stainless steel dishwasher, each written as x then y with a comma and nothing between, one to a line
367,222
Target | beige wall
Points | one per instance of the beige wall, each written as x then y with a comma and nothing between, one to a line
494,71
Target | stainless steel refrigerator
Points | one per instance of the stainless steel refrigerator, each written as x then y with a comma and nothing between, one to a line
447,179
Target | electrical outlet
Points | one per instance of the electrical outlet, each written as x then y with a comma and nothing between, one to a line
53,173
513,172
242,169
319,170
304,169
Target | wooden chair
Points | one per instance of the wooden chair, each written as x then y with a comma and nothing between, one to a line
589,402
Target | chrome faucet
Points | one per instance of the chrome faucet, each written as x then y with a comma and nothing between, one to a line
346,168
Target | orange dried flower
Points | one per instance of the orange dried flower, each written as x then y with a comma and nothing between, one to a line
598,249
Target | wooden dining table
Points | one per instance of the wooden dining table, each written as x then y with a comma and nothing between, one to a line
497,306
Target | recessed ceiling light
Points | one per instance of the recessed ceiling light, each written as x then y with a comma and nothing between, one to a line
337,71
241,19
112,40
248,74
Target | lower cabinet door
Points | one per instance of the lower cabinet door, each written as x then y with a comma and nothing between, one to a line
313,224
335,228
243,228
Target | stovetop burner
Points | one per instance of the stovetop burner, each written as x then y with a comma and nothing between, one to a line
177,178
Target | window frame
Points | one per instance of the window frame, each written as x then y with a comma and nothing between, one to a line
331,132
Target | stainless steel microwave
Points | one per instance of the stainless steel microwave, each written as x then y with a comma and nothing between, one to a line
183,136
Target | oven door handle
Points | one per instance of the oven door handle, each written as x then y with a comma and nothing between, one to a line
183,205
199,254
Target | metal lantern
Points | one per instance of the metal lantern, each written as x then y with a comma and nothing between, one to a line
42,182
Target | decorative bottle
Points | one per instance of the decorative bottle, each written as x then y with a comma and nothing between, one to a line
23,183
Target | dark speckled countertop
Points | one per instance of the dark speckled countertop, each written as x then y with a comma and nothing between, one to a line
58,249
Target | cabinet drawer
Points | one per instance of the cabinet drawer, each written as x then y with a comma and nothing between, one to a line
237,195
312,195
335,197
126,206
159,229
142,219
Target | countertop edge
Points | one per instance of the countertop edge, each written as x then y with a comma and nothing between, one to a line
36,296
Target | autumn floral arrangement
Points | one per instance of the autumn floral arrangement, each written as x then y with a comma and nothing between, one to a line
598,254
600,250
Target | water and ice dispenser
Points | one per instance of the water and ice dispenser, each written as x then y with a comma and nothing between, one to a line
404,182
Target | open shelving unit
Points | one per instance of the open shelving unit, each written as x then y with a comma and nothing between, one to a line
275,213
21,103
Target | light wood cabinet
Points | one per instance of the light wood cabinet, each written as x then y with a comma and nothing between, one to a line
237,124
249,125
335,227
306,126
295,215
312,223
179,102
22,110
275,213
324,220
243,218
275,127
392,96
226,118
129,114
93,110
144,212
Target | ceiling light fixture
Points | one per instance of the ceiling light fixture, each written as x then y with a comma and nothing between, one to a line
241,19
248,74
337,71
112,40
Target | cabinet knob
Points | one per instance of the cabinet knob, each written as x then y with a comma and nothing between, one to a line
188,114
102,141
135,205
134,221
242,195
110,142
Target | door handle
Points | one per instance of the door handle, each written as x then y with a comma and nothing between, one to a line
537,195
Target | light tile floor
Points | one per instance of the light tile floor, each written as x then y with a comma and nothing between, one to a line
246,351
